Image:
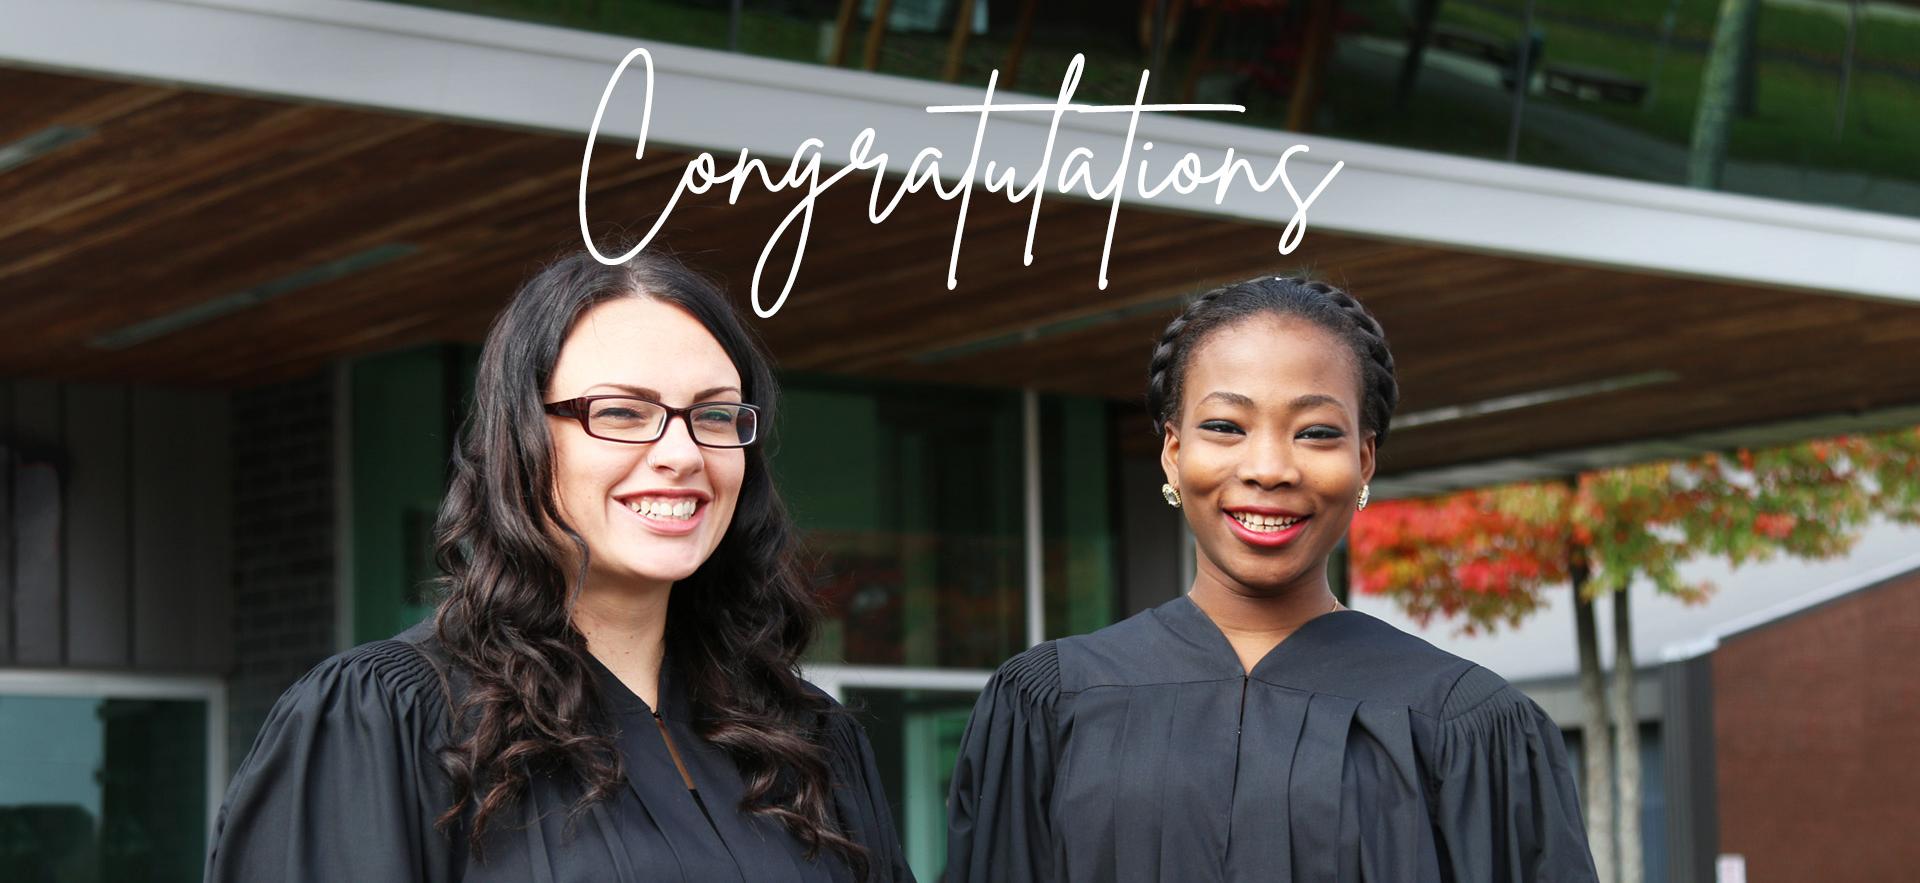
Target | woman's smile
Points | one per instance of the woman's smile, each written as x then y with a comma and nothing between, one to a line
667,512
1265,527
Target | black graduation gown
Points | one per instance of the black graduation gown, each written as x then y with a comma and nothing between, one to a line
1352,752
343,784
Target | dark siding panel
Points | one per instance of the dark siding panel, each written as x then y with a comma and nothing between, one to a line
115,527
181,600
37,614
164,534
8,457
213,565
97,529
1149,537
1693,824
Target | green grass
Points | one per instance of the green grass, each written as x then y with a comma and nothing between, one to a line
1780,28
1796,105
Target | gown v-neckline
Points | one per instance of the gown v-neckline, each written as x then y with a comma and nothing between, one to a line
670,701
1188,620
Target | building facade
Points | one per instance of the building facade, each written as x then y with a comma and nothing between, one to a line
248,248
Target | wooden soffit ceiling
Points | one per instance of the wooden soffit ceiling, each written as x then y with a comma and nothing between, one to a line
165,198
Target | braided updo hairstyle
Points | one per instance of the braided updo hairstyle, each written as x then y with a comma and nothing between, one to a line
1317,302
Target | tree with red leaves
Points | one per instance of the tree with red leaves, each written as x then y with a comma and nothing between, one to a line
1485,557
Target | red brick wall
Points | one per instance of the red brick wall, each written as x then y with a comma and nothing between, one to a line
1817,732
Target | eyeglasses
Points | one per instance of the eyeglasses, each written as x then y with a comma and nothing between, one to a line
639,421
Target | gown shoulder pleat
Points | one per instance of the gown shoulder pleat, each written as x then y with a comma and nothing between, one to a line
1352,752
860,797
344,783
346,756
1505,804
999,817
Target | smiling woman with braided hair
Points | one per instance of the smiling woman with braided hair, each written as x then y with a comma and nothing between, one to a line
1254,729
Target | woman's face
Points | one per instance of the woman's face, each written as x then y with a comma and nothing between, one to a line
1268,453
620,497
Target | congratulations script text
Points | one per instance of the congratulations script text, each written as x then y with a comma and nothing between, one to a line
1075,174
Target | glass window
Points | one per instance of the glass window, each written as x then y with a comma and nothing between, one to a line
852,488
910,503
1808,97
916,739
1076,476
95,789
407,408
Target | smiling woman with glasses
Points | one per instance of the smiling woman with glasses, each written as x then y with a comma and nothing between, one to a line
608,690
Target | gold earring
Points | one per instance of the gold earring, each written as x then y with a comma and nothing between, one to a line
1171,495
1363,497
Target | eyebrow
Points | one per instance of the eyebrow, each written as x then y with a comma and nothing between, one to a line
1299,403
646,393
1231,398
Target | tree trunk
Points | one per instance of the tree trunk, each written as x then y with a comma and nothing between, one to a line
1595,745
1720,93
1846,68
1626,740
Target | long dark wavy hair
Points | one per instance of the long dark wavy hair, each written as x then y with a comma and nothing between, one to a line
735,628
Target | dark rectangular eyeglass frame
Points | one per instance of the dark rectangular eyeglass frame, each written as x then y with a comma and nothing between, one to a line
577,409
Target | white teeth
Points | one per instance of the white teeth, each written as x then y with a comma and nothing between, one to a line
1265,523
673,509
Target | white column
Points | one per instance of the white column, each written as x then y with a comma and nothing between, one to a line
1036,601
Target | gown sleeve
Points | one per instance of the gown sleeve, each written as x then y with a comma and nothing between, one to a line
999,827
860,797
1506,809
342,782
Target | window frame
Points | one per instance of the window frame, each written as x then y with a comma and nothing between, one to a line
105,685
